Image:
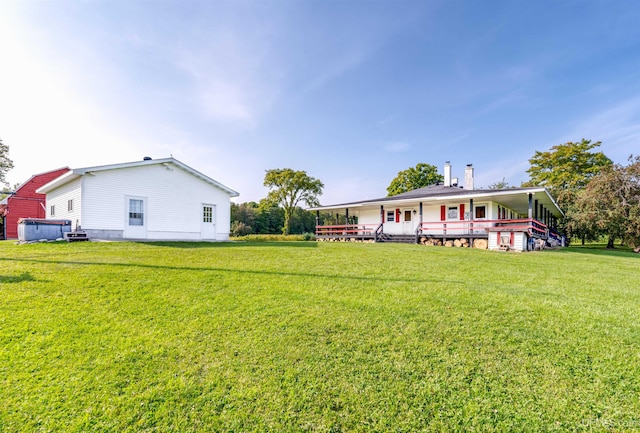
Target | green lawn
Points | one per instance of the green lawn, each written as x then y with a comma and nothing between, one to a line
326,337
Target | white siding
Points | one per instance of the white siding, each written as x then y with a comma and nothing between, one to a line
173,196
519,240
60,199
369,216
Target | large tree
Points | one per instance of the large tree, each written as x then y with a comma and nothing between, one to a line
6,163
501,184
566,168
288,188
413,178
610,204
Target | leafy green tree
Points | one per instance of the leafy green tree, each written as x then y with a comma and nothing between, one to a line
243,215
302,221
288,188
566,168
610,204
501,184
6,163
269,218
413,178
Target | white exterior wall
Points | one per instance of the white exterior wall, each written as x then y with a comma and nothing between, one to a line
369,216
520,240
430,213
174,200
60,199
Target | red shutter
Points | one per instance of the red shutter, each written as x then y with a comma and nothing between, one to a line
397,215
443,213
461,211
512,238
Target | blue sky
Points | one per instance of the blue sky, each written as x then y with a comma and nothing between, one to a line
350,91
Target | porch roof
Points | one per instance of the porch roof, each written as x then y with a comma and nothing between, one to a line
516,199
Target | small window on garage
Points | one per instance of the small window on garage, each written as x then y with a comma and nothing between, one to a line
52,210
70,205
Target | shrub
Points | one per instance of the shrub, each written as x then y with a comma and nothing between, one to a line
275,238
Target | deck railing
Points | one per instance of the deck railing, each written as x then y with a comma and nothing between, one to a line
348,230
440,228
478,227
444,229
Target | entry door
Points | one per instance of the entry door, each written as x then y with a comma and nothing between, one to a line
407,222
208,222
136,218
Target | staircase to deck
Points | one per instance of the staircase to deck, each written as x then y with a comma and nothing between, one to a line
398,239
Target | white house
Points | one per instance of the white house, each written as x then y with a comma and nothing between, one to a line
153,199
511,218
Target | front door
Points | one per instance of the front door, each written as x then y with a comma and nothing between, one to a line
208,222
407,222
136,218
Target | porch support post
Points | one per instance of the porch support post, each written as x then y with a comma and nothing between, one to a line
530,209
347,215
471,215
317,219
381,214
420,207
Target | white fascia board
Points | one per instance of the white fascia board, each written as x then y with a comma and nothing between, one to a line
58,181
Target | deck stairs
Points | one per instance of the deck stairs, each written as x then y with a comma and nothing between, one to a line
399,239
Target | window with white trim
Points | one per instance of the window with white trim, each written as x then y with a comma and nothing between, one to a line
452,212
207,214
136,212
391,216
480,212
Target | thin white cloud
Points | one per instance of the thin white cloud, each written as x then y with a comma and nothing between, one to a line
617,126
342,63
397,146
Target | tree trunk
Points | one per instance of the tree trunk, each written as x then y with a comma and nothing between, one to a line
287,221
610,243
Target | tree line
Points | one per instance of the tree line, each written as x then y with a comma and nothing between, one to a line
598,198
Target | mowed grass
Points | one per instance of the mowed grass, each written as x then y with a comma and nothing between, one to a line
294,337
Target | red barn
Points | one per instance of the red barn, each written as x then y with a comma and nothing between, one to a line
26,203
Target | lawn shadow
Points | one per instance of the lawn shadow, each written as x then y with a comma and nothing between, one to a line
301,274
232,244
26,276
600,251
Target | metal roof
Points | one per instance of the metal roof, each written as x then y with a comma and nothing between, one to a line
77,172
516,199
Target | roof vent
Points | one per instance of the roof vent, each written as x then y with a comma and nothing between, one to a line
146,158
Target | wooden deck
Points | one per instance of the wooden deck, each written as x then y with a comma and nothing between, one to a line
440,230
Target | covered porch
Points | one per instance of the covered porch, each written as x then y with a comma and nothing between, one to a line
522,214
